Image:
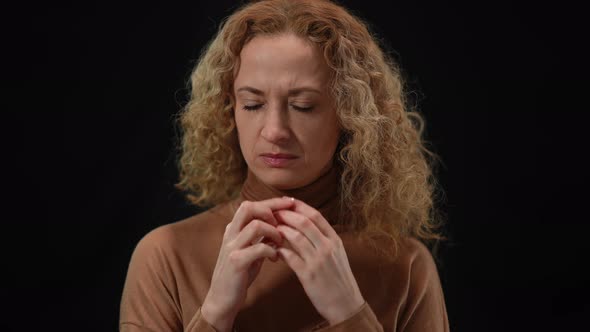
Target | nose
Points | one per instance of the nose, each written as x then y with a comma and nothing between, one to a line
276,126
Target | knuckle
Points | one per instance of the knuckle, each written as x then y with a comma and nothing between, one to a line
245,205
298,236
230,244
268,214
227,239
308,274
226,232
234,257
305,222
256,226
326,252
261,248
315,215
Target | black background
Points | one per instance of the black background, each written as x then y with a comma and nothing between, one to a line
91,91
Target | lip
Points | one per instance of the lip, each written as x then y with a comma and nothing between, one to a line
279,155
278,160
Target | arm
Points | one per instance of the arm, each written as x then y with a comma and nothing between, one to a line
150,298
363,320
424,310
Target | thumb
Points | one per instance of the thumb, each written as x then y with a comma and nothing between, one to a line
254,269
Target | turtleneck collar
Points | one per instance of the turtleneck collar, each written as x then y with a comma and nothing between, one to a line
322,194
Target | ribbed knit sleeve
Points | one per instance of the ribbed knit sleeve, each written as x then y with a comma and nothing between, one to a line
150,301
424,308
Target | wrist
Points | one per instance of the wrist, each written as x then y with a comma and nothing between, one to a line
216,318
344,314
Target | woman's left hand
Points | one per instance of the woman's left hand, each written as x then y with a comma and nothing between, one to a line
316,254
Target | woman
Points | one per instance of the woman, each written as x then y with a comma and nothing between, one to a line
298,134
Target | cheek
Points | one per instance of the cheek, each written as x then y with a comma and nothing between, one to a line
320,140
330,141
246,134
240,128
241,125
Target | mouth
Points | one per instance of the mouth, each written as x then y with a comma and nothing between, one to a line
278,160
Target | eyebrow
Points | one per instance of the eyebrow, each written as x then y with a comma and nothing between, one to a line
291,92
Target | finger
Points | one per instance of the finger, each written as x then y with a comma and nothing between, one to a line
254,231
243,258
257,210
254,269
298,241
292,259
301,223
316,217
274,259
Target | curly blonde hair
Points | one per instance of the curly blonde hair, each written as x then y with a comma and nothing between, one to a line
387,185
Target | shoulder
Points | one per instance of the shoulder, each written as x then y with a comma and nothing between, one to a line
423,280
417,259
412,263
409,250
415,250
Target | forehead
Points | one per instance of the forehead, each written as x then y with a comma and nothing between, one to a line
281,57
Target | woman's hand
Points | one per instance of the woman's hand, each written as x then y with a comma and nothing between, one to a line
315,252
240,259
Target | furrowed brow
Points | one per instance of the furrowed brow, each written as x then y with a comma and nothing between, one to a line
250,89
292,92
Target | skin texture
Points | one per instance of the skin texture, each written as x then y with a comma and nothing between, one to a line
240,259
294,231
274,65
315,252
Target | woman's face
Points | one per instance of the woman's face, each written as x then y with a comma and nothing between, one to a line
286,121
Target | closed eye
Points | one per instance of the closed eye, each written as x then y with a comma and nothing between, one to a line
252,107
303,109
258,106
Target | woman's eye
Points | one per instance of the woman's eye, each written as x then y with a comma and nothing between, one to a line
303,109
258,106
252,107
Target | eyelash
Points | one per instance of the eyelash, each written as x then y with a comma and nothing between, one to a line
252,108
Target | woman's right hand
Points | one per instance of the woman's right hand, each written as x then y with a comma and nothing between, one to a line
240,259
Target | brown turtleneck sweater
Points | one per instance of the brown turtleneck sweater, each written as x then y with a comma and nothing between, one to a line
171,269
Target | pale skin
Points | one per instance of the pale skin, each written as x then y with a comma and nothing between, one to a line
282,107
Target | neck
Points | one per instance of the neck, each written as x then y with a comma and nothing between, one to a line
322,194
